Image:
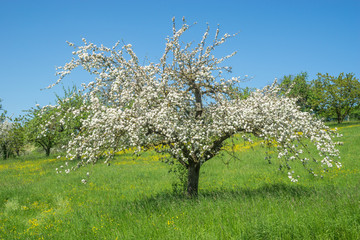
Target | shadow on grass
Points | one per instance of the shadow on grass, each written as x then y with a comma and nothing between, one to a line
271,191
267,190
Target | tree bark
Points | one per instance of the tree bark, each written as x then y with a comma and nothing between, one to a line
340,118
193,179
4,150
47,150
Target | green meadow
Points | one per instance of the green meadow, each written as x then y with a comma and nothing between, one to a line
133,198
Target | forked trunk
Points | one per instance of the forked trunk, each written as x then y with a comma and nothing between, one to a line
193,179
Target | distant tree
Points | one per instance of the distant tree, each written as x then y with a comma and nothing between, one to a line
4,131
52,126
42,128
11,137
356,113
17,136
5,128
335,96
240,93
72,102
297,87
2,113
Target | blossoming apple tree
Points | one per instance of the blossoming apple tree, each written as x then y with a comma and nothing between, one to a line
182,106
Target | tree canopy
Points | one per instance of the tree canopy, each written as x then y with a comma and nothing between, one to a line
335,96
51,126
297,87
12,137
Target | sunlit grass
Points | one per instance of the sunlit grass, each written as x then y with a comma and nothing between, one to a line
244,198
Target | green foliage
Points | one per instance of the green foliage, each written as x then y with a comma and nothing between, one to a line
12,138
71,124
356,114
240,93
52,126
327,96
335,96
179,184
133,199
3,114
43,128
17,137
297,87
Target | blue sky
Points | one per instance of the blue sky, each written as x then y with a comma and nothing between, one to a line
276,38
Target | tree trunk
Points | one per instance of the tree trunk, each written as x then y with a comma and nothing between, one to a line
4,150
193,179
340,119
47,150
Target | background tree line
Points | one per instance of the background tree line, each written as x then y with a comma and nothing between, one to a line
328,97
46,127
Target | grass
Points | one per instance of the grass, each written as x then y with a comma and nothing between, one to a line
133,199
